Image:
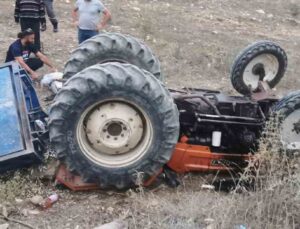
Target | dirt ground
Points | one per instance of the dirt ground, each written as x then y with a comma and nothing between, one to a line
196,42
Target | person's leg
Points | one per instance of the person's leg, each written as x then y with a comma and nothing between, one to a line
34,63
85,34
33,24
51,14
25,23
91,33
37,36
81,35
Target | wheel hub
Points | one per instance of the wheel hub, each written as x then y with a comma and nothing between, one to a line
114,128
261,68
114,133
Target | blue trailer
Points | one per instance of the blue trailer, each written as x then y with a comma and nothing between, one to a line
23,126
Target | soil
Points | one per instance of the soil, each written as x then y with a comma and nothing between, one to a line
196,42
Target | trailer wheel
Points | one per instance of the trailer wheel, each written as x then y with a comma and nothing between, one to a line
288,112
112,47
261,61
113,121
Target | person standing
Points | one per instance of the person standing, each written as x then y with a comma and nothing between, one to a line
87,17
51,15
31,14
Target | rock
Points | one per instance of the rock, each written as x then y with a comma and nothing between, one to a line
110,193
209,220
36,200
92,197
118,224
136,9
4,226
110,210
260,11
211,226
33,212
19,201
26,212
153,203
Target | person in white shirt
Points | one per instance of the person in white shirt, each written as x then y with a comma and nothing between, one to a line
87,16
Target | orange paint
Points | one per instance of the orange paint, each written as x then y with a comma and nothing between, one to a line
193,158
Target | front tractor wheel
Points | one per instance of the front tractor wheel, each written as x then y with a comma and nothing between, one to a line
111,122
261,61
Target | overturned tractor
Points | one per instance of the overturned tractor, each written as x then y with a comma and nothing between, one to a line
114,119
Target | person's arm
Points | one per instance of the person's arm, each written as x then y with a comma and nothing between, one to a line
21,62
106,18
45,60
17,11
75,14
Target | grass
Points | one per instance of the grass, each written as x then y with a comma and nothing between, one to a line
272,202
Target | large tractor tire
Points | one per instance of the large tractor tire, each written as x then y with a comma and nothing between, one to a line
288,112
112,47
261,61
114,121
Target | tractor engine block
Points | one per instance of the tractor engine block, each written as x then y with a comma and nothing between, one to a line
226,123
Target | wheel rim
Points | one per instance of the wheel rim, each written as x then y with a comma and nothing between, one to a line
261,68
114,133
290,131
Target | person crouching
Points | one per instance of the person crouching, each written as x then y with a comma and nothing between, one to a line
20,51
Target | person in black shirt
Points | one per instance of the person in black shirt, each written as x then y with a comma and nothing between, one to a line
20,51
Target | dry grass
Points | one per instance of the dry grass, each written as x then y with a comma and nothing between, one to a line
272,202
18,185
275,201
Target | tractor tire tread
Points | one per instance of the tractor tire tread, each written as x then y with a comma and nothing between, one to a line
106,47
99,79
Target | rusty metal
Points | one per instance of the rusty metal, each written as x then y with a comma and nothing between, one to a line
73,182
263,92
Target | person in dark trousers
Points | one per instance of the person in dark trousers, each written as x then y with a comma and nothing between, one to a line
52,16
20,51
31,14
87,17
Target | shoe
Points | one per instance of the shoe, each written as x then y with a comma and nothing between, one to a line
55,28
43,27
